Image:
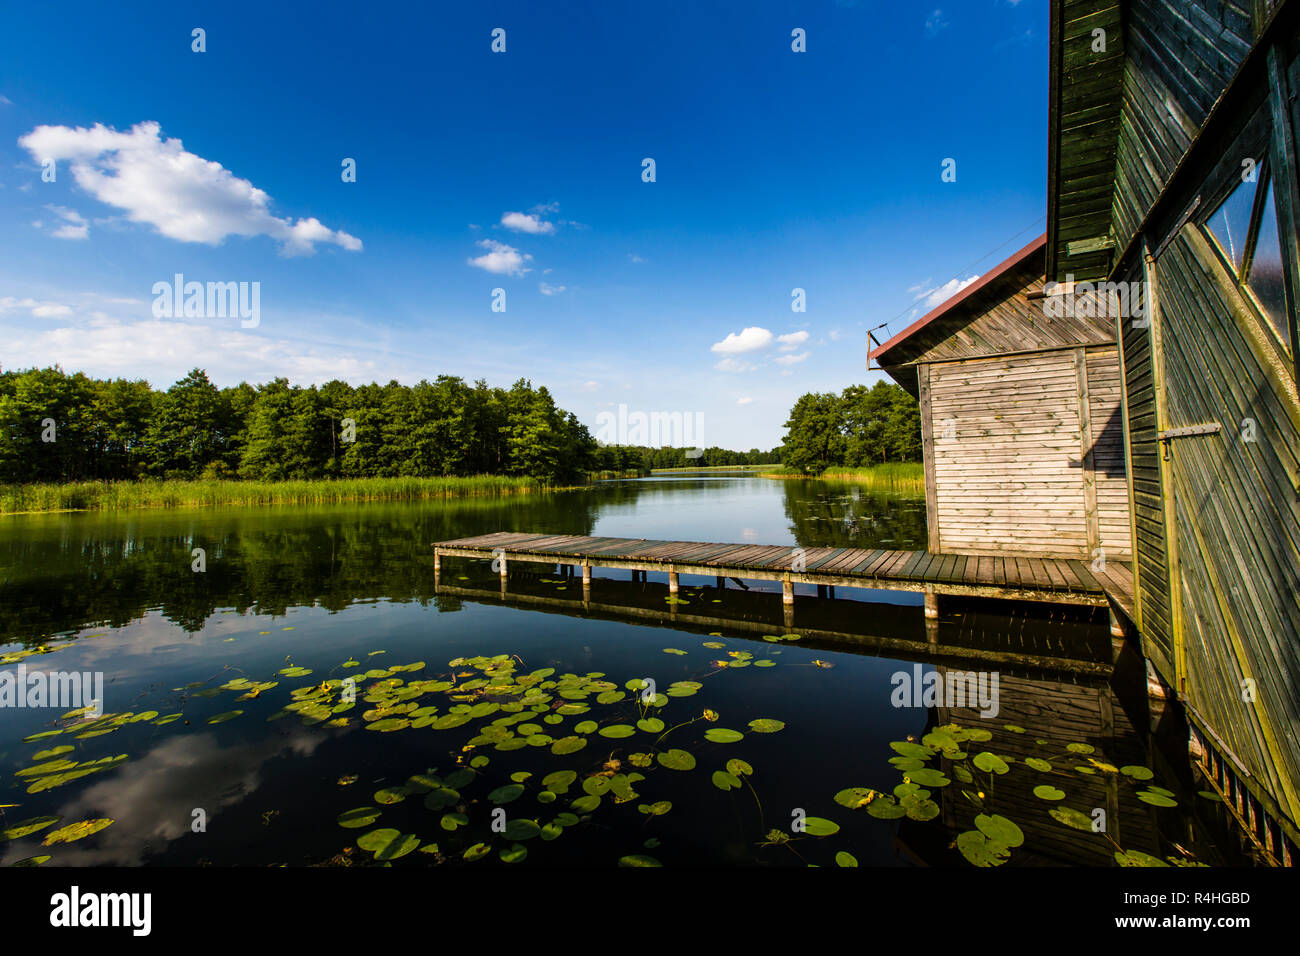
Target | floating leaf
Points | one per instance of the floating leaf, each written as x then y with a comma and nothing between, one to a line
725,781
1045,791
638,859
990,763
222,718
979,850
656,809
844,858
676,759
1071,818
820,826
27,827
390,795
766,725
516,852
721,735
522,829
506,794
651,725
999,829
1038,763
617,730
451,821
477,851
737,766
75,831
927,777
855,797
1080,748
568,745
359,817
1156,799
1136,772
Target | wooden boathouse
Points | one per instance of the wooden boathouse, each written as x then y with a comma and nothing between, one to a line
1173,200
1022,432
1172,169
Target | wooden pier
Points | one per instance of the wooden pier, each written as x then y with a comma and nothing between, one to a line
1009,577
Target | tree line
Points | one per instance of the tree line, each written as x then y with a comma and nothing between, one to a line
642,458
59,427
856,428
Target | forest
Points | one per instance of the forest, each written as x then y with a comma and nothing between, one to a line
856,428
59,427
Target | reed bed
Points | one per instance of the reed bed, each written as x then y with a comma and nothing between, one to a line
906,477
127,495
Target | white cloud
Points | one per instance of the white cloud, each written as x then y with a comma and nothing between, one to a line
749,340
834,334
524,222
501,259
792,340
940,294
74,224
184,196
590,386
744,401
164,350
548,289
791,359
634,257
41,310
6,100
735,365
935,22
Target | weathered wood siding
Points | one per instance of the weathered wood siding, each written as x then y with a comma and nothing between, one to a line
1180,55
1017,442
1236,516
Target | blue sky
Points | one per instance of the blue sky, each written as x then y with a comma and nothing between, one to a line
521,170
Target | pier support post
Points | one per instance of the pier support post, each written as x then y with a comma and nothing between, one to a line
437,568
672,582
787,613
931,605
502,558
787,591
722,583
821,590
586,576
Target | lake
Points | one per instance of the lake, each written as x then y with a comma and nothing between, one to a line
300,691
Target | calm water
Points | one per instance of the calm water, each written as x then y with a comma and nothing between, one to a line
229,737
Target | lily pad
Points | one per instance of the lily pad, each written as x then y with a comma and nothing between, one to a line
722,735
766,725
676,759
1045,791
358,817
75,831
999,829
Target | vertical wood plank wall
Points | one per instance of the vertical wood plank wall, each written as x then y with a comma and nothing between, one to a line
1016,441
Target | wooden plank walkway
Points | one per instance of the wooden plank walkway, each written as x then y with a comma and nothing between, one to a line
1008,576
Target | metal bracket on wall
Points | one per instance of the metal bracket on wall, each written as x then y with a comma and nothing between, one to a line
1186,431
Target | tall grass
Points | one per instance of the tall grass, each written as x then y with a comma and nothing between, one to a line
907,477
123,495
655,471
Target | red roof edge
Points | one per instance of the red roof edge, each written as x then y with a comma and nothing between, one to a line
995,273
